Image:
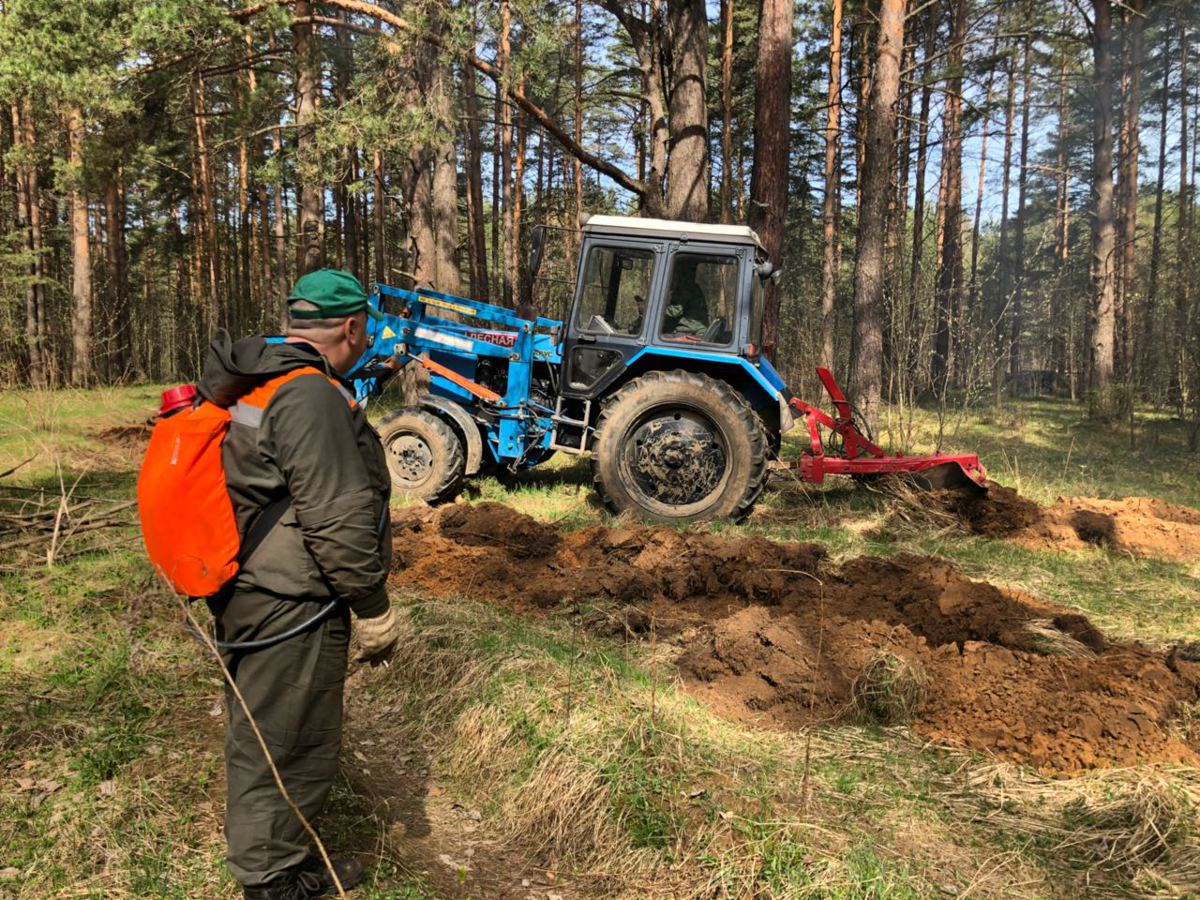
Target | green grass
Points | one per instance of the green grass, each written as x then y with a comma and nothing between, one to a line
111,757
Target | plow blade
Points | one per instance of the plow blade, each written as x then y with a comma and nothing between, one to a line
856,454
950,476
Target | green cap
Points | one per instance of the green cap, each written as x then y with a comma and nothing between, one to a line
333,292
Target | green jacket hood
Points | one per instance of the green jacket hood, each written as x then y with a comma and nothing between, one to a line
233,368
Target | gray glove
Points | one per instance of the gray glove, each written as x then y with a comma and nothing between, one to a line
377,638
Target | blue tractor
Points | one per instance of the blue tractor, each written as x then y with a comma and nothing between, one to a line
656,372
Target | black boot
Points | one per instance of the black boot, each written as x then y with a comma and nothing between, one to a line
292,884
349,872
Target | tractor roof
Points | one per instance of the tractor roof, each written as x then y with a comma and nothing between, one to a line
672,230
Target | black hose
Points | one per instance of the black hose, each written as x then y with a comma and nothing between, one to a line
263,643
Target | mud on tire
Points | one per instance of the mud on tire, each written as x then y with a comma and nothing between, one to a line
424,455
679,447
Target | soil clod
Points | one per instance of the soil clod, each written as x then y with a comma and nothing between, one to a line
771,634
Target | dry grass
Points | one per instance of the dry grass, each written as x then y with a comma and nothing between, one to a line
890,689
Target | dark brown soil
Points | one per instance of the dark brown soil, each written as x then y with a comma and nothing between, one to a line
1139,526
771,634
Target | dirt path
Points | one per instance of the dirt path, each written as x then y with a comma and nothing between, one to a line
446,845
770,633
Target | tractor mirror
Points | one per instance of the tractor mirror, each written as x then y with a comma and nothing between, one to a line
539,247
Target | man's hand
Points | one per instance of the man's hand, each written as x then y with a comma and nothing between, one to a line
377,638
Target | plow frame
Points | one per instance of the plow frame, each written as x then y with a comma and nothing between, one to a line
859,454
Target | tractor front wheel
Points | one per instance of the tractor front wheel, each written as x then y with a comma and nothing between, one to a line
424,455
679,447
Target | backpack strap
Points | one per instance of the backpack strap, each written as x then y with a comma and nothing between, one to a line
249,411
264,520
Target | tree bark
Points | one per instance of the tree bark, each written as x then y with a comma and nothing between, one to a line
118,288
310,251
688,162
866,357
379,212
1000,304
772,118
82,366
950,266
1149,332
918,226
476,243
979,191
1103,222
503,60
1131,82
1183,250
1059,361
1019,267
29,222
577,163
727,109
829,223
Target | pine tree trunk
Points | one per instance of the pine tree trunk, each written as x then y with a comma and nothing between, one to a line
866,356
979,191
1019,268
772,118
1131,81
29,223
1183,250
445,182
1103,223
1149,369
918,226
310,250
82,366
577,163
118,288
1059,361
727,108
476,243
688,162
950,266
503,58
1000,303
523,294
829,223
379,211
206,226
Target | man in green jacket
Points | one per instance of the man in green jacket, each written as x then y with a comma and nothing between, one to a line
311,451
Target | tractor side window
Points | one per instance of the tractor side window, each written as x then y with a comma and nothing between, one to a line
702,299
616,285
757,305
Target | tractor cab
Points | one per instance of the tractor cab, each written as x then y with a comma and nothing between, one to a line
659,288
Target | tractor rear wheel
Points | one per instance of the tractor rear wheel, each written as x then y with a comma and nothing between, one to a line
679,447
424,455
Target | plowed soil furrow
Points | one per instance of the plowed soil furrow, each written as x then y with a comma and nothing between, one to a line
1140,526
772,634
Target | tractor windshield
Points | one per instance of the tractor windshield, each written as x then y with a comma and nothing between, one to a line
701,298
616,285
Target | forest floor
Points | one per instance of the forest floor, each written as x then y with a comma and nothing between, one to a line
855,693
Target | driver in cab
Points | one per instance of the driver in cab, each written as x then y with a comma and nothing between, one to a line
686,317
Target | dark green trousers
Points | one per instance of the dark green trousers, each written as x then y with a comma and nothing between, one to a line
294,692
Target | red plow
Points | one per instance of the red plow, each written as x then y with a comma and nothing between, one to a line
856,454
